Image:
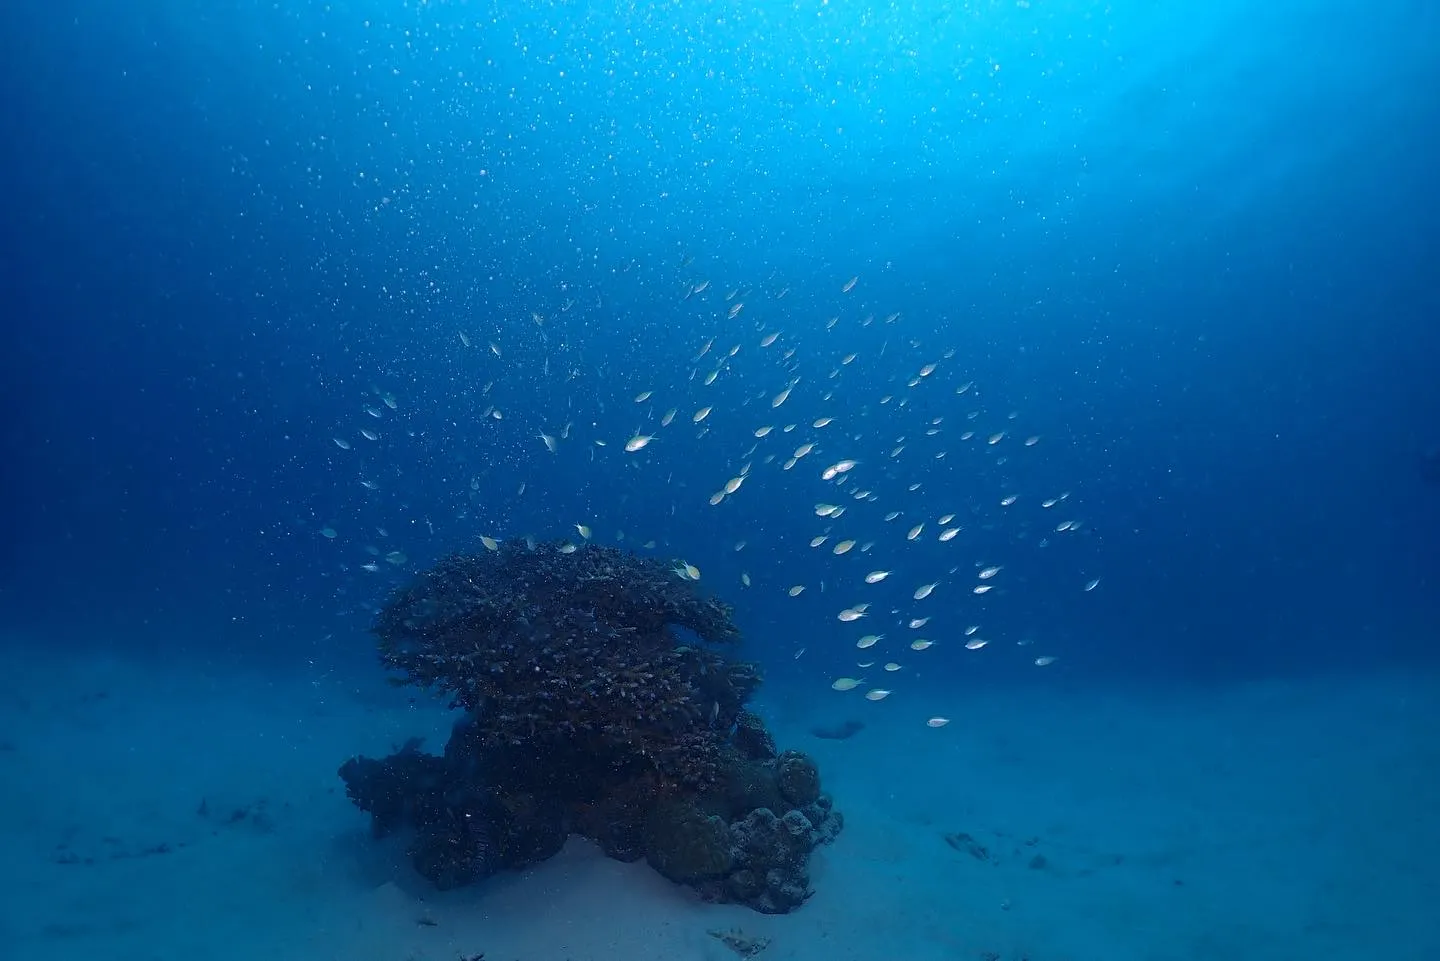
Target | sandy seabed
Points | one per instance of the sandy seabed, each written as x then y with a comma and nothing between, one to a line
177,814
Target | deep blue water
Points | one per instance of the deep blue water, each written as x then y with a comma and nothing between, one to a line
1190,247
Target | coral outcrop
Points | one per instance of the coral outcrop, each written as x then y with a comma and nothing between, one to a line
584,711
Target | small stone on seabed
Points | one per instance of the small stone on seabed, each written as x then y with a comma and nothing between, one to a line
741,943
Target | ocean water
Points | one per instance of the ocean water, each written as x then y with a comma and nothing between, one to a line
1108,332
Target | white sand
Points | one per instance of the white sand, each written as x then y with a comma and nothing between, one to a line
1273,821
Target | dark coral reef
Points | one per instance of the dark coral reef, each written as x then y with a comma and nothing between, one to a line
585,712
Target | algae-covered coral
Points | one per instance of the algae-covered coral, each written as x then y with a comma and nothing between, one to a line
585,712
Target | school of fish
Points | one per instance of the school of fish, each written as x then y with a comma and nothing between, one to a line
895,494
